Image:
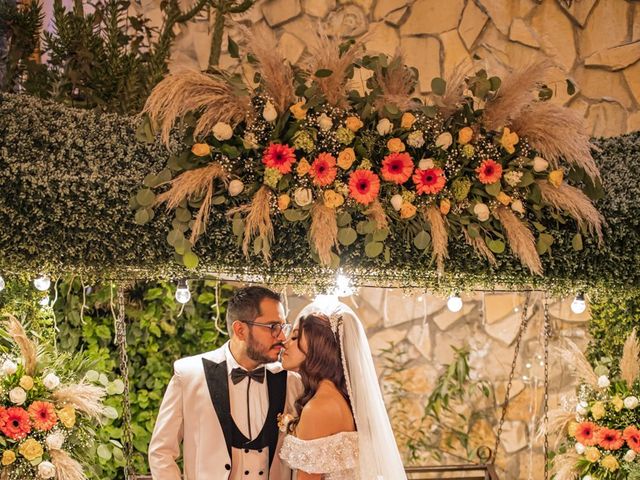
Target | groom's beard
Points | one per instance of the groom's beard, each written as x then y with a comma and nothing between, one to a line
261,354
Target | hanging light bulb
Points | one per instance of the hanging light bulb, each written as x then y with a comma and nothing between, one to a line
44,302
454,303
579,305
183,295
2,284
42,283
343,286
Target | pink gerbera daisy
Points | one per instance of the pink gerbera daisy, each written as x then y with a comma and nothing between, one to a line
489,171
323,170
397,167
279,156
429,181
364,186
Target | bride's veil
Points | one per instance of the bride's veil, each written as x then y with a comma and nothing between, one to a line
379,456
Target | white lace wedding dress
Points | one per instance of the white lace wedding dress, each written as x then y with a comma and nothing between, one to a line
336,456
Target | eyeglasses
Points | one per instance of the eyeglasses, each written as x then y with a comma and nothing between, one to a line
276,328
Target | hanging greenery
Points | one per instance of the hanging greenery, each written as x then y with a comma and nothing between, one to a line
67,174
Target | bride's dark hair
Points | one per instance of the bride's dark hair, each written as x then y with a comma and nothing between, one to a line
323,358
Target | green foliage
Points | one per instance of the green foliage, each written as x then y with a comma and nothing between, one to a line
78,220
613,316
452,409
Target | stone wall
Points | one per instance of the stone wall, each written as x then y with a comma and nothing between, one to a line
595,43
422,326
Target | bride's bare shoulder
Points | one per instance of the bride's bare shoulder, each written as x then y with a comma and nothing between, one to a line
326,414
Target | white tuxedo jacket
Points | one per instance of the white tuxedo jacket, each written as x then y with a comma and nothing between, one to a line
190,414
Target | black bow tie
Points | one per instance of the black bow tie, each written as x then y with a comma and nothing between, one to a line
239,374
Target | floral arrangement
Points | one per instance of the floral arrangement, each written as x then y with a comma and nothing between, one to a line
489,163
47,414
600,429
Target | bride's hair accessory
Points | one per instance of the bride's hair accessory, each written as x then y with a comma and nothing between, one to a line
335,320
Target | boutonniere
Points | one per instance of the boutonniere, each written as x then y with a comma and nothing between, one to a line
286,422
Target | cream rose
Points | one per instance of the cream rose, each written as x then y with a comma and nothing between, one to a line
54,441
303,196
396,202
324,122
426,164
222,131
235,187
630,402
18,395
444,140
51,381
269,112
384,127
481,211
603,381
517,207
9,367
540,164
46,470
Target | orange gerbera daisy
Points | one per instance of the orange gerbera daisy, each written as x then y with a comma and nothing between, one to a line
17,425
323,170
43,415
364,186
430,181
489,171
610,439
279,156
632,435
397,167
587,434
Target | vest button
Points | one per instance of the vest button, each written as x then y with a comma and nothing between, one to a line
260,451
246,450
260,472
246,472
227,466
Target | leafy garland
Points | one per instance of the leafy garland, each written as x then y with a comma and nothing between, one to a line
66,175
368,170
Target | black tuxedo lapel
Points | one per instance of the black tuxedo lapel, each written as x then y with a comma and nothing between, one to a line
218,383
277,384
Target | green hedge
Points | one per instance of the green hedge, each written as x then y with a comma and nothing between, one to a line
66,176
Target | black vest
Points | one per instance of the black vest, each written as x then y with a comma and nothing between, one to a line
218,384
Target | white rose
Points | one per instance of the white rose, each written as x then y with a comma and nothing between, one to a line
540,164
396,202
444,140
517,207
222,131
580,448
324,122
51,381
46,470
55,440
9,367
415,139
481,211
582,408
630,456
303,196
384,127
630,402
249,141
235,187
269,113
18,396
426,163
603,381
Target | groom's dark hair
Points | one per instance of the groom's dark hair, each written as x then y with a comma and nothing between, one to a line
245,304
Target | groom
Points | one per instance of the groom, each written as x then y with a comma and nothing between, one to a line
223,405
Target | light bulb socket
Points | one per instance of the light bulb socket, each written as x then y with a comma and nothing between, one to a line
580,297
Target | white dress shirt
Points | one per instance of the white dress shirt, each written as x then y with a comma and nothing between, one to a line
248,464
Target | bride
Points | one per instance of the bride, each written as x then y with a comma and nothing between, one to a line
342,430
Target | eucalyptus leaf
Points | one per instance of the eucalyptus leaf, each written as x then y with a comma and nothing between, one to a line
190,260
346,236
373,249
438,86
421,240
145,197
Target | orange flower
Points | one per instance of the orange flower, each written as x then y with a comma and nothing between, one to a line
610,439
445,206
632,435
346,158
407,120
395,145
430,181
17,425
408,210
200,149
364,186
586,434
43,415
489,171
397,167
323,170
279,156
354,124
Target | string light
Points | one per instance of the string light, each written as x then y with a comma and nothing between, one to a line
183,295
2,284
454,303
44,302
42,283
344,288
579,305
